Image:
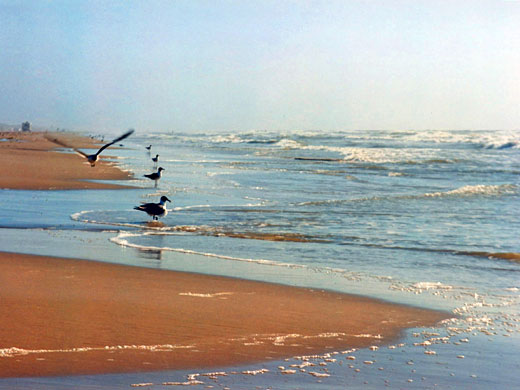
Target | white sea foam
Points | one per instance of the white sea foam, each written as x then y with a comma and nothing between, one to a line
431,286
499,139
286,143
205,295
228,138
197,206
369,336
255,372
77,216
487,139
479,189
14,351
319,374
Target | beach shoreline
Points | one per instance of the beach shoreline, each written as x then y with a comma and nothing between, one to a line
29,161
66,317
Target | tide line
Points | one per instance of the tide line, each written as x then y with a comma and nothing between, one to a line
15,351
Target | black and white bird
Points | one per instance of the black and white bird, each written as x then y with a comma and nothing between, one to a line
93,158
155,210
155,160
149,148
156,175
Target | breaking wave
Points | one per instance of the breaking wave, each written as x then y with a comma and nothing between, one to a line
479,189
469,190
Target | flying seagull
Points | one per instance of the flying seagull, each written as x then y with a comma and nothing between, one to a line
155,176
92,158
155,210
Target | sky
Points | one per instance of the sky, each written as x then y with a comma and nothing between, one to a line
193,65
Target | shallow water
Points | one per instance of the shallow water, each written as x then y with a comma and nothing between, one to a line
425,218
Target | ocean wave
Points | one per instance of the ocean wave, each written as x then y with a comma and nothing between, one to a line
465,191
246,138
228,138
287,143
479,189
381,155
485,139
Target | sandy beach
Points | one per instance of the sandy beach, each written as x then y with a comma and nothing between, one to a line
28,160
62,316
285,195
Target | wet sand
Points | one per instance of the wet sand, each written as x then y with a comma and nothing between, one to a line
29,161
61,316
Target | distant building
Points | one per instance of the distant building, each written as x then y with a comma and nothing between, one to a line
26,126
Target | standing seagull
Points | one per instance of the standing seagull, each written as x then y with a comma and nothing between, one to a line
155,176
155,160
155,210
92,158
149,148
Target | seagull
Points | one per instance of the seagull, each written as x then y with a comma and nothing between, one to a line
148,147
155,159
156,175
155,210
92,158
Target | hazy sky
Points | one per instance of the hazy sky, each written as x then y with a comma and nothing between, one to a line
276,65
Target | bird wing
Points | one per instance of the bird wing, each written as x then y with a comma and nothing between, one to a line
153,208
80,153
114,141
58,142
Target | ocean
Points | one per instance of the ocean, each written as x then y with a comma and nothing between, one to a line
423,218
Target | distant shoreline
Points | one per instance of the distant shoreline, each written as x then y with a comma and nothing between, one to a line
28,161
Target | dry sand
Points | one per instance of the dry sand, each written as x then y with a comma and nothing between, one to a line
61,316
29,161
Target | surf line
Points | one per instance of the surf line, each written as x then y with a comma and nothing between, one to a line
121,240
15,351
